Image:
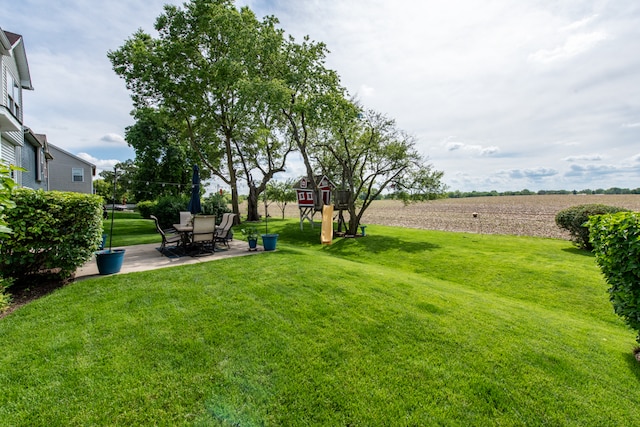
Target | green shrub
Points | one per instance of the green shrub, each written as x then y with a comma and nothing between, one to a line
574,220
6,185
215,204
146,208
5,298
168,209
616,242
54,233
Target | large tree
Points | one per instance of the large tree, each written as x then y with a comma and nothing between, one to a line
365,153
281,193
209,67
163,160
126,174
314,91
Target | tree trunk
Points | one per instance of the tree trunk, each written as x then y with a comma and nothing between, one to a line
233,179
354,220
252,205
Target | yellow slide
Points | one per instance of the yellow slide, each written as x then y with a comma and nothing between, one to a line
326,235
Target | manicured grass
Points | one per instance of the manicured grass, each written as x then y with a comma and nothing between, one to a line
402,327
130,229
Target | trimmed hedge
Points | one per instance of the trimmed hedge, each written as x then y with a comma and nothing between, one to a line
167,209
6,185
616,242
574,220
54,233
146,208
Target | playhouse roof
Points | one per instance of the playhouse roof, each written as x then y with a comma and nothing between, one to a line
303,183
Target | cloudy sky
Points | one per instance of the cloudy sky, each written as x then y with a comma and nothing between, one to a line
500,94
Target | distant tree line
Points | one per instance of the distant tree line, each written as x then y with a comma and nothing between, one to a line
613,190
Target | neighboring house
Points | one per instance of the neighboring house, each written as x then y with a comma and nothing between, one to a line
68,172
14,76
46,166
35,160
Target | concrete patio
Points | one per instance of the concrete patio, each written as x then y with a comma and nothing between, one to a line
147,257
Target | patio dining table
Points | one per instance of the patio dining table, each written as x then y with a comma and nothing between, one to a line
185,231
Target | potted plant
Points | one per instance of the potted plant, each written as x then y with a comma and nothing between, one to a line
110,260
268,240
252,234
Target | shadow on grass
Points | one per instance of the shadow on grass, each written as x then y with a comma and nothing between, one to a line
577,251
291,234
378,245
634,365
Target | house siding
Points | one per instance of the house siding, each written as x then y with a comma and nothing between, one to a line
8,153
30,163
60,172
12,141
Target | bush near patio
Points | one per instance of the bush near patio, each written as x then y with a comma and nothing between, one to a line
616,242
54,233
574,220
167,209
146,208
6,185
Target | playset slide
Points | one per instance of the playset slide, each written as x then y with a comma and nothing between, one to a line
326,235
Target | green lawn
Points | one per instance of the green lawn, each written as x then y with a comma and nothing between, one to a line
402,327
130,229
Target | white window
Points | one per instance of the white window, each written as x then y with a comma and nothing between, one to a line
77,174
13,96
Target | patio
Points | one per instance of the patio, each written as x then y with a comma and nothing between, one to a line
147,257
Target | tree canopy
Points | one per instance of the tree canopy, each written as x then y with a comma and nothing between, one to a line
212,67
365,153
240,96
161,156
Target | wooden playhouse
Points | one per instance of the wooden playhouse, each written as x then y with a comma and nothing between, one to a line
310,201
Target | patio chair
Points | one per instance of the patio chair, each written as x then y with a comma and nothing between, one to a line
203,233
223,230
168,236
185,218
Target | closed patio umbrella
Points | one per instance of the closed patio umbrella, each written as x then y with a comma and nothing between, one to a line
194,203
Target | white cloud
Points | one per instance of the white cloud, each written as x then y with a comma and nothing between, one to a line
580,24
472,149
631,125
584,157
99,163
366,91
572,46
113,138
533,174
593,170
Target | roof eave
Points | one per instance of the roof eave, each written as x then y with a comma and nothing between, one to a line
20,55
23,65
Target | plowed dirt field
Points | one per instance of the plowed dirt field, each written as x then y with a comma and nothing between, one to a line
518,215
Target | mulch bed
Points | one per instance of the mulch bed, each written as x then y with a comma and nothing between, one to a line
24,294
